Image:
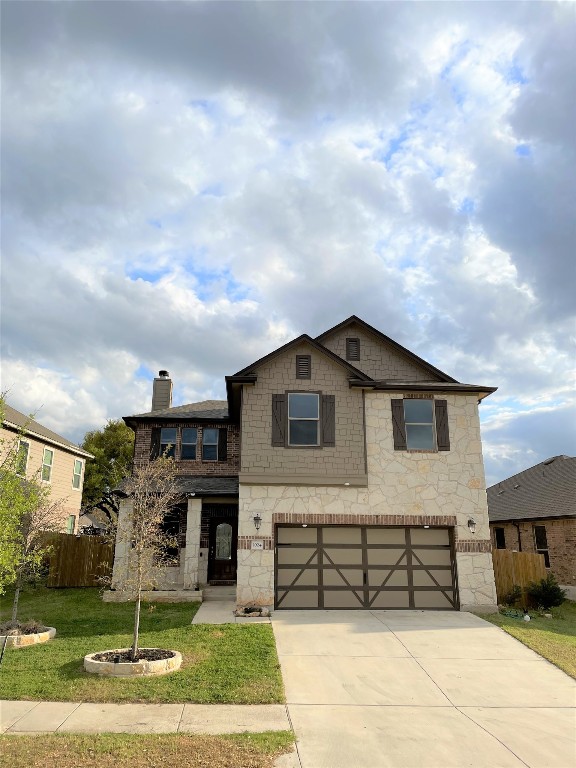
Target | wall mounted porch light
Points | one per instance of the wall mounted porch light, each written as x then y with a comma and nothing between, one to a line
257,521
472,525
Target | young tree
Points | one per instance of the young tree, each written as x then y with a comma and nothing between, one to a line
113,449
153,493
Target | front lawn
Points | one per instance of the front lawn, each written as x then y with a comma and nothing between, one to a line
554,639
246,750
226,663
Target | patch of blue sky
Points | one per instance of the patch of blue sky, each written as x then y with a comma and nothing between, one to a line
418,111
143,372
461,50
523,150
209,282
150,275
205,105
394,146
467,206
515,74
458,95
213,190
156,223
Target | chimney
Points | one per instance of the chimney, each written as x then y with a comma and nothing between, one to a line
162,391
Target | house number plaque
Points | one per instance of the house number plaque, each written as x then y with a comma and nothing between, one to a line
256,544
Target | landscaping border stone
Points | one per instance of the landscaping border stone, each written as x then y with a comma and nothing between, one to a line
141,668
23,641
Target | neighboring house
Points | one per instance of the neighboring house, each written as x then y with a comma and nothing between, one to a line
342,471
53,459
535,511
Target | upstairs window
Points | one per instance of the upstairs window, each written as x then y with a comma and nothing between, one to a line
77,474
500,538
352,349
22,458
168,442
189,440
47,462
303,418
210,445
419,421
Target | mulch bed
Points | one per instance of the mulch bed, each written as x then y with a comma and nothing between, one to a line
16,628
125,656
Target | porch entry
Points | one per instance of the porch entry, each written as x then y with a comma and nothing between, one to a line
222,529
365,567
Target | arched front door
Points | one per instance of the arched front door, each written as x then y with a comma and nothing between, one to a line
222,553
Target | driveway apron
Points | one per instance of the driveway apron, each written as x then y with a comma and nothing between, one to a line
415,689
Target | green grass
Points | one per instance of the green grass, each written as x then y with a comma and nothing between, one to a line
108,750
227,663
554,639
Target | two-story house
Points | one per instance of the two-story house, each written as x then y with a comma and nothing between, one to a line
49,457
342,471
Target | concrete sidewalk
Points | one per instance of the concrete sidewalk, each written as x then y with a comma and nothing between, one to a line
222,612
75,717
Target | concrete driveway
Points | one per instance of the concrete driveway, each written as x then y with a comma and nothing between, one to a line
420,689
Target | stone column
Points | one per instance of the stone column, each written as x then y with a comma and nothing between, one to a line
192,550
122,548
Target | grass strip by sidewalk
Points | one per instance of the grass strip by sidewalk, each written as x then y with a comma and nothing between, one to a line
228,663
554,639
108,750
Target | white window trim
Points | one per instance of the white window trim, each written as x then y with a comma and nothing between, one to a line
50,466
79,474
27,442
304,418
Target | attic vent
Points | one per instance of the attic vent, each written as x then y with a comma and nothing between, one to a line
303,366
352,349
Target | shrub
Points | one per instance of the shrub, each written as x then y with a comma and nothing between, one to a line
546,593
513,596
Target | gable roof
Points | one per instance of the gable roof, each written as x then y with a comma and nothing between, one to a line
212,410
355,372
543,491
390,342
17,421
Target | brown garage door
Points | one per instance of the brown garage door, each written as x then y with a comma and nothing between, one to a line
364,567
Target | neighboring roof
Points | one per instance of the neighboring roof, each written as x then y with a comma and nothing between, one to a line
543,491
15,420
424,386
213,410
203,485
387,340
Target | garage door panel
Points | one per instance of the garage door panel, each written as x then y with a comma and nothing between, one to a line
299,555
364,567
386,557
377,577
389,599
344,599
301,577
341,535
339,578
343,556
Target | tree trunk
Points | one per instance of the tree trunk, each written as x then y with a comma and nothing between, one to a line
16,597
136,628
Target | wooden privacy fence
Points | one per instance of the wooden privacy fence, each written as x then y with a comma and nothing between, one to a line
518,568
79,561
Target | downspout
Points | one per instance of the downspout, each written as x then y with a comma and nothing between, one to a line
517,526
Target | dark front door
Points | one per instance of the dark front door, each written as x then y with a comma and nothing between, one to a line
222,553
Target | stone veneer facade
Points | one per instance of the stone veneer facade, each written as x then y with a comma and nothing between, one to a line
404,488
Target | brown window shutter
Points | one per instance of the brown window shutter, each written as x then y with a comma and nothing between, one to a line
352,349
328,420
303,367
279,417
442,433
398,426
223,444
155,443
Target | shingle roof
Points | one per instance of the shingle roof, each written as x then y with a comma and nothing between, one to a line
209,486
546,490
17,420
207,409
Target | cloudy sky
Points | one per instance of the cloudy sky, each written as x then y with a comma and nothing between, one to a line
189,185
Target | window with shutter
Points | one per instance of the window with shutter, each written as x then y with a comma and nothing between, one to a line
420,424
222,444
303,366
352,349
